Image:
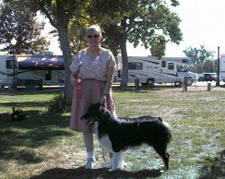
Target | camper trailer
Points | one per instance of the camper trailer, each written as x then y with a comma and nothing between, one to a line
37,70
222,68
150,70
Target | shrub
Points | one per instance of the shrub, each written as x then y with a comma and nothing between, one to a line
58,104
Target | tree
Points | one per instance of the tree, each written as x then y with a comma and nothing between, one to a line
77,28
150,23
60,13
209,66
137,20
198,55
17,22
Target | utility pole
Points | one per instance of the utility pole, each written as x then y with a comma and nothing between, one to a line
218,72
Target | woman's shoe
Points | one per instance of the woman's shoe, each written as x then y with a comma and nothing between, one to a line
89,164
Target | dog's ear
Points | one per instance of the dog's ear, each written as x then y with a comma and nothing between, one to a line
160,119
102,108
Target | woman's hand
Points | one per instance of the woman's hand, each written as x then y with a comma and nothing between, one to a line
73,80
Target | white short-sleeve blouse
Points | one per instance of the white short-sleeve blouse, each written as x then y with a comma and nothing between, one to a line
86,67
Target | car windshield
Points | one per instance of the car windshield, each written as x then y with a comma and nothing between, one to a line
181,69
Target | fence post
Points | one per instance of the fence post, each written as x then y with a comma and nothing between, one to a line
209,87
185,83
136,82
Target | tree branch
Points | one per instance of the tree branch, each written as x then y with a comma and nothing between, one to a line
45,11
90,20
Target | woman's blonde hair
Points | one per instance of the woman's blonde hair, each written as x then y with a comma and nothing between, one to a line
94,28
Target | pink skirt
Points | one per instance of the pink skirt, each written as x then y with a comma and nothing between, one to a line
92,91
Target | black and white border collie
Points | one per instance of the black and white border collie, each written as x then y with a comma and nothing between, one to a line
119,133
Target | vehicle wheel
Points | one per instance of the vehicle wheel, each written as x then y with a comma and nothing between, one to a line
144,84
178,84
150,82
39,87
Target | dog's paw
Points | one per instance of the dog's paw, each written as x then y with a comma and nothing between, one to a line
122,164
163,170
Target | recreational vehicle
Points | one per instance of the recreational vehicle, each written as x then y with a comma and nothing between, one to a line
150,70
222,68
30,70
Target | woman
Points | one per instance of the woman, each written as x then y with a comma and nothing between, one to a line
92,75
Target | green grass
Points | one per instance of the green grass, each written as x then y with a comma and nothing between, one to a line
43,146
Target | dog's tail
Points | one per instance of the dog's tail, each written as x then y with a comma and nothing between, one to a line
166,124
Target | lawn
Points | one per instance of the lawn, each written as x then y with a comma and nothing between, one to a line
42,146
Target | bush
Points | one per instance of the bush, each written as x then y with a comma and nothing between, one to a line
58,105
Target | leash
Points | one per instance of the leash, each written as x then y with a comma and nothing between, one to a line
79,87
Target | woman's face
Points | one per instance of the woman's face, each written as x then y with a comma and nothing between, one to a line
93,38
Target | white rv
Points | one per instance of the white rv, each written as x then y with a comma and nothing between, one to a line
150,70
222,68
37,70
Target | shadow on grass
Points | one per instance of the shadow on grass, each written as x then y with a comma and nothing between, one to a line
58,173
18,138
214,167
24,104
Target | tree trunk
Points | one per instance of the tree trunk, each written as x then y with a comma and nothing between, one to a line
65,47
124,78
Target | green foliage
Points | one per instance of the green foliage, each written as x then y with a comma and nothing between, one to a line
17,21
149,23
59,14
77,28
209,66
198,55
58,104
154,26
158,46
174,3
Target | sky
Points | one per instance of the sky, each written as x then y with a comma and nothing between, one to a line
202,23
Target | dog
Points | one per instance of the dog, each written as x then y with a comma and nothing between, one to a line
120,133
17,115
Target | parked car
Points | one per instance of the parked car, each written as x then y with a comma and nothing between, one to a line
200,77
207,77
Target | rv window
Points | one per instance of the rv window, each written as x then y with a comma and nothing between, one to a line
135,66
184,60
163,63
171,66
9,64
48,76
